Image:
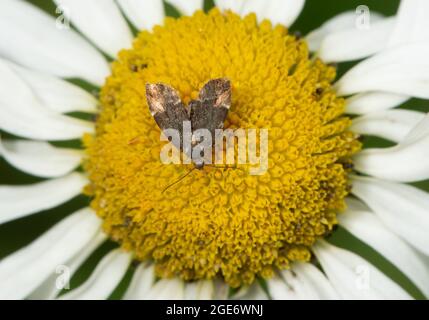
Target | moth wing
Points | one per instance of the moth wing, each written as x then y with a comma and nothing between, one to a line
166,108
211,109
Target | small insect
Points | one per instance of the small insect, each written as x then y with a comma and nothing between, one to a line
209,111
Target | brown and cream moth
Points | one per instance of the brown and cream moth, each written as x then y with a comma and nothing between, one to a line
209,111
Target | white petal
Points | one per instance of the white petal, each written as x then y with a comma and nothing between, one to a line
369,228
26,269
374,101
280,290
353,277
40,159
187,7
221,290
393,125
403,208
101,22
404,162
206,290
299,287
105,278
34,39
20,201
282,12
423,257
141,283
303,282
43,125
401,70
235,6
420,131
312,280
143,14
191,290
255,6
356,43
51,287
412,23
22,114
253,292
199,290
56,94
356,205
342,21
167,289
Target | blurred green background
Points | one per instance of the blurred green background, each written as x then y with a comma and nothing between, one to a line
16,234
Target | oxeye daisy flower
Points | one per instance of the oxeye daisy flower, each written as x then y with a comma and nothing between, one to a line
74,114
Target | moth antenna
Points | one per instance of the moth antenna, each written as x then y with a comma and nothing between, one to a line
178,180
223,167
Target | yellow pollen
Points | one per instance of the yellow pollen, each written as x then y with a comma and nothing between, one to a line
220,222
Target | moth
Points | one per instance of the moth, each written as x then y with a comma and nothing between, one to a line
209,111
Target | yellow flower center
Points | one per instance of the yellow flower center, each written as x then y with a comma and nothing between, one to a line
221,221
